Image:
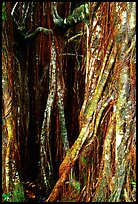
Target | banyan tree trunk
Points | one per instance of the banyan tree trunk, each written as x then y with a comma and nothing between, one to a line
105,142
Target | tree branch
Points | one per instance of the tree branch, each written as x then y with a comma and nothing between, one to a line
80,14
39,29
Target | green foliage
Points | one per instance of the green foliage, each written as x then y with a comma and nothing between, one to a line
3,11
79,14
133,184
7,197
18,193
16,196
84,161
75,184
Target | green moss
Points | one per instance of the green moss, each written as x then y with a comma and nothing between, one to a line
75,184
3,11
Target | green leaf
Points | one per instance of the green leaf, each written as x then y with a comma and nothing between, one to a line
134,184
4,195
